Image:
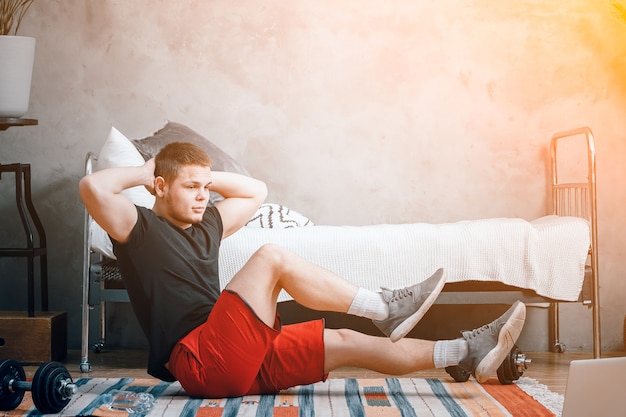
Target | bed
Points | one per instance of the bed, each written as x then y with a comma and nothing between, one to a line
552,259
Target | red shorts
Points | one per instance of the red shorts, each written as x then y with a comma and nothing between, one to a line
234,353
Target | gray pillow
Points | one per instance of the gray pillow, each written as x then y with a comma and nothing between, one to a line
175,132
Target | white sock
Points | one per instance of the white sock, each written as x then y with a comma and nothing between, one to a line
369,304
449,352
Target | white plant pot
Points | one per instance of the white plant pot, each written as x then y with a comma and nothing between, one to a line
17,55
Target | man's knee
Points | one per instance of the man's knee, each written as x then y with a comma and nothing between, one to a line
335,338
340,346
269,254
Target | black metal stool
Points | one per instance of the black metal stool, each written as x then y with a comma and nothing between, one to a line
28,216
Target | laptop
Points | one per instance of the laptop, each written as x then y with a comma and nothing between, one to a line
596,388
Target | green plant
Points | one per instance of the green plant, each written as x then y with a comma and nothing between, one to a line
11,14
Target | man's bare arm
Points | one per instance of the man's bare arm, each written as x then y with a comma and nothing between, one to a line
242,198
101,193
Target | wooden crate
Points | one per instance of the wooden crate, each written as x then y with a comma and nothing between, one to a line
33,340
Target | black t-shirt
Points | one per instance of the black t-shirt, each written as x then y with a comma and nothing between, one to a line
172,278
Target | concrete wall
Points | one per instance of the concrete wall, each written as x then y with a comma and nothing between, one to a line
354,112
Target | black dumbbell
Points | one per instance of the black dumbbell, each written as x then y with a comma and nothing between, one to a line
52,386
511,369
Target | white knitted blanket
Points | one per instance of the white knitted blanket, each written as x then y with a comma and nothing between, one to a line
546,255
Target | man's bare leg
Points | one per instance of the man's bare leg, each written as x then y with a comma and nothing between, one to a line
350,348
272,268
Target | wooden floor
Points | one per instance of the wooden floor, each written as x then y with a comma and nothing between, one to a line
550,369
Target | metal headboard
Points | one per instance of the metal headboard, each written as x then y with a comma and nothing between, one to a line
579,199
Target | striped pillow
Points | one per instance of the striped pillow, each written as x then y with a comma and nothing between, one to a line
276,216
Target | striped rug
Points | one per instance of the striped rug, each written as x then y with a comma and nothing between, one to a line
335,397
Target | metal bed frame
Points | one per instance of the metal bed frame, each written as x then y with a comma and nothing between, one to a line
568,199
580,199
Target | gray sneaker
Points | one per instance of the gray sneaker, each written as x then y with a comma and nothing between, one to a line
490,344
408,305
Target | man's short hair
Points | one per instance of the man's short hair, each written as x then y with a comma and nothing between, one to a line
175,155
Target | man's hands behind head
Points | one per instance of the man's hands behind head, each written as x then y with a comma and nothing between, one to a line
149,167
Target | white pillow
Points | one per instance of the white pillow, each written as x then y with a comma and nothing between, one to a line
118,151
276,216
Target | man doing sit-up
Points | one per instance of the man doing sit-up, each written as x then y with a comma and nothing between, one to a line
231,343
